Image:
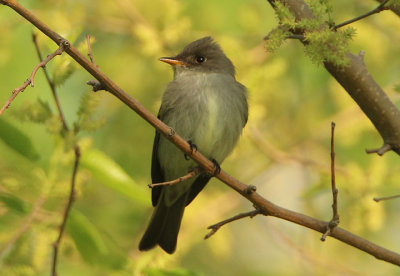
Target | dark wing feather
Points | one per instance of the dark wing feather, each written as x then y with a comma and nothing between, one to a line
157,174
197,186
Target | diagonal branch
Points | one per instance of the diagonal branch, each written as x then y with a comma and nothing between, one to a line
265,206
393,7
378,9
359,84
377,199
215,227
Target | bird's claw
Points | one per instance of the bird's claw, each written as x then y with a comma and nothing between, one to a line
193,147
217,167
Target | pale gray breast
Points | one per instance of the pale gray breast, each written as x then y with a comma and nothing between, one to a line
208,108
220,125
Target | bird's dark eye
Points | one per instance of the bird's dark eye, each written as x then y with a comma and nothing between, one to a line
200,59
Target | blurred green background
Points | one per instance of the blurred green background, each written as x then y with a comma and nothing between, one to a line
284,149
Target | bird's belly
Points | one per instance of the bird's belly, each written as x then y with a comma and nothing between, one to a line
208,115
209,129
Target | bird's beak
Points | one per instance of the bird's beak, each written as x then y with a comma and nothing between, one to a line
172,61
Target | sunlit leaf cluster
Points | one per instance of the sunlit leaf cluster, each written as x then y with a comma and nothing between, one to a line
323,43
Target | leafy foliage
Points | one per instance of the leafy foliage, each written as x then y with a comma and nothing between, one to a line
284,16
327,46
17,140
276,38
110,174
286,141
14,203
38,112
65,68
323,43
86,110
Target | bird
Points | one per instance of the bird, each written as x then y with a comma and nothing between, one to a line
207,107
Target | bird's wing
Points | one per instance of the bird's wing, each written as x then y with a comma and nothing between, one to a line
197,186
245,105
157,174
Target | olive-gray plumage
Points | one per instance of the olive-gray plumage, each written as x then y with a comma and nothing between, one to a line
206,105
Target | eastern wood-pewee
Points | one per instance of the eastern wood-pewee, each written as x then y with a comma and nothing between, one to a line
206,106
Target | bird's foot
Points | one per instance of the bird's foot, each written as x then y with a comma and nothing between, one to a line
193,148
217,167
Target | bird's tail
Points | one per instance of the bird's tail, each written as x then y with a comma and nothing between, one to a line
164,226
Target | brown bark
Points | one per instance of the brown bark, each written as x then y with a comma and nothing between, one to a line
360,85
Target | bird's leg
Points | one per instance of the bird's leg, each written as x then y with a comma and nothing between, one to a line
193,147
217,167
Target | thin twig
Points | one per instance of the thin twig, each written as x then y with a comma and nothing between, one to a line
377,199
335,217
380,151
71,199
296,36
96,85
187,176
333,179
90,55
56,245
215,227
394,7
289,36
378,9
30,81
51,83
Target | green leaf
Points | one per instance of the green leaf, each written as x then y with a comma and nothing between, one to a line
111,175
92,245
14,203
284,15
86,237
276,38
17,140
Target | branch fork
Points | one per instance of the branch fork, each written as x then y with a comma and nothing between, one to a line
378,9
380,151
334,222
196,171
215,227
30,81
